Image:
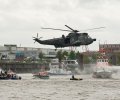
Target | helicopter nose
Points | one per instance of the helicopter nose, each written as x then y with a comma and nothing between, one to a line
94,39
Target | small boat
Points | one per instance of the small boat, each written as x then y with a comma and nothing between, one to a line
41,75
76,79
6,75
73,78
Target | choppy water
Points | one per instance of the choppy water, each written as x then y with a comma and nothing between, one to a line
60,88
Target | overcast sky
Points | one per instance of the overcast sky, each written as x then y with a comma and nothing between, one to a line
20,20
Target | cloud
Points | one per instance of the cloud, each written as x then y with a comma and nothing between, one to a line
21,19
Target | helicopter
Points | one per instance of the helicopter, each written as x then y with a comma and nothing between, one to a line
74,38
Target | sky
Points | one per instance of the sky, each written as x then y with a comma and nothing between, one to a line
20,20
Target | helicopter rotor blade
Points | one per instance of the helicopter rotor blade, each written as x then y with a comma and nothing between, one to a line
40,37
37,35
56,29
72,29
69,27
92,29
34,37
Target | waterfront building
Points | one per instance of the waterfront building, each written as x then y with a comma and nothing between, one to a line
12,52
110,47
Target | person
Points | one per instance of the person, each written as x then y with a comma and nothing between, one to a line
1,72
5,72
73,77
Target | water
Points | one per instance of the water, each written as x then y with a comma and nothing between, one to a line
60,88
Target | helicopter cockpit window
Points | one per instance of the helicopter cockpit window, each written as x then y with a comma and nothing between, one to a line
88,36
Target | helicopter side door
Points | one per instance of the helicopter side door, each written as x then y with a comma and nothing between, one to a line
74,38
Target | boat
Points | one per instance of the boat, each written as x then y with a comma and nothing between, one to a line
73,78
102,73
41,75
76,79
56,70
102,68
9,75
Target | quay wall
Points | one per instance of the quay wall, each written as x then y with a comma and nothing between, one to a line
24,67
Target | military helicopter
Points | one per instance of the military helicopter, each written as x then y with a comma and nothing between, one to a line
74,38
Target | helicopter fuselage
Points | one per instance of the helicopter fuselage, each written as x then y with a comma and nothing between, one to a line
70,40
74,38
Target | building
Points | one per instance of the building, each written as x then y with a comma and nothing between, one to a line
12,52
110,47
111,50
7,52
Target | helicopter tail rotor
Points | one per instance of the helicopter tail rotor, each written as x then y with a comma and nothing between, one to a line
36,38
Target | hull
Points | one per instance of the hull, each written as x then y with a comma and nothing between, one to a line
10,78
76,79
102,74
41,77
9,75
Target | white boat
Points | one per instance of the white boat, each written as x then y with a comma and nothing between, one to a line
102,68
55,70
102,73
71,63
59,72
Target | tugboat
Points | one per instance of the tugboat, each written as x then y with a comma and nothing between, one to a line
6,75
102,69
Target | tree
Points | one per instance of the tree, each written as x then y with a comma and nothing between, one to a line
86,59
65,54
77,54
41,56
94,57
72,55
60,57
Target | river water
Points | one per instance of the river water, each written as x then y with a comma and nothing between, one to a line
60,88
